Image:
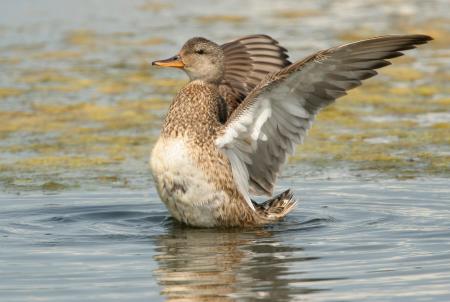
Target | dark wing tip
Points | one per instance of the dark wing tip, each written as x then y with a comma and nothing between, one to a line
420,39
424,38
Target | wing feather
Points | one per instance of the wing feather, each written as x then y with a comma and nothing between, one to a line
247,61
277,113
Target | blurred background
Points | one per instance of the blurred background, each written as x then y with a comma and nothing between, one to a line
80,105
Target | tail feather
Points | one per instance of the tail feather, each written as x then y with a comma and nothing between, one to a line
277,207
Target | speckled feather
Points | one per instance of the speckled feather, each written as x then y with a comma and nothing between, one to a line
205,169
194,118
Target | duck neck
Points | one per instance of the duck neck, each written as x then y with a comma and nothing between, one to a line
210,77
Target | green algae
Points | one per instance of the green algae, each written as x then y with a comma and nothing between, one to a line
342,131
235,19
89,109
9,60
155,6
403,73
6,92
296,14
58,55
53,186
50,162
81,37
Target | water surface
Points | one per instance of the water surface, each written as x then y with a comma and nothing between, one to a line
385,241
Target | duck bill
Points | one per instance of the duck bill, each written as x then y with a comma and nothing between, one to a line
174,61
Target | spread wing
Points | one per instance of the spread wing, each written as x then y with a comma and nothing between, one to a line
276,115
247,61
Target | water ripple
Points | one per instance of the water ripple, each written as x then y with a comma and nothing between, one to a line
380,242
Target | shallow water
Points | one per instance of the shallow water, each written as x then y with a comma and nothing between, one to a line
385,241
80,108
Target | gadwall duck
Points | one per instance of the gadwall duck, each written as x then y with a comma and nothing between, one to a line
230,129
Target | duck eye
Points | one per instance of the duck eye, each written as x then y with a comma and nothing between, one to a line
200,51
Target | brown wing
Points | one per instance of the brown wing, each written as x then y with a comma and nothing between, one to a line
277,114
247,61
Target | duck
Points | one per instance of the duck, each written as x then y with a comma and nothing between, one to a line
229,131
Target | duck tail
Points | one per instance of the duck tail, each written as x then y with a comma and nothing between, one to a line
276,208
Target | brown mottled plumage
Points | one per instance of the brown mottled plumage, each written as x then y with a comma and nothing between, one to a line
247,61
193,116
231,128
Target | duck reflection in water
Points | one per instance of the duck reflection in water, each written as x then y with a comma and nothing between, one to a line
227,265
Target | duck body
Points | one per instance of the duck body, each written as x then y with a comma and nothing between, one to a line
186,191
229,131
192,176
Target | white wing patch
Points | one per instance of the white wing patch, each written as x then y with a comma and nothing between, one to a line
261,118
240,141
277,122
277,114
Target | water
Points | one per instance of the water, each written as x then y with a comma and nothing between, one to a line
80,108
386,241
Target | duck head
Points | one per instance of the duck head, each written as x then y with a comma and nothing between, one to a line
200,58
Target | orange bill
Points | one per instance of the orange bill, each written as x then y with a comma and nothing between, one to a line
174,61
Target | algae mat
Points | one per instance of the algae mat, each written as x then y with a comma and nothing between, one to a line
81,106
